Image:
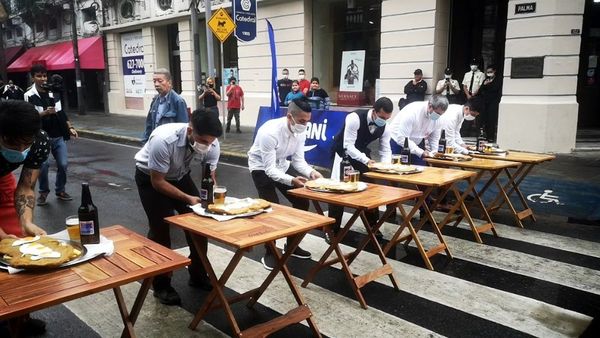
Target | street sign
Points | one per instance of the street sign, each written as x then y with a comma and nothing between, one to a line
244,13
221,24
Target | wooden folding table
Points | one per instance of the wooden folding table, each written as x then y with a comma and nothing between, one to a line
432,178
243,234
374,196
135,258
527,161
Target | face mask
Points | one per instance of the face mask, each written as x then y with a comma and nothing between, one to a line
297,127
210,85
473,68
447,77
434,116
469,117
14,156
379,122
200,148
301,76
285,76
490,74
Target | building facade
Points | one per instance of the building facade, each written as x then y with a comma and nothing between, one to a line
547,97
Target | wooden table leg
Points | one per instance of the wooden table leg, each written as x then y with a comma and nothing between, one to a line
508,202
129,319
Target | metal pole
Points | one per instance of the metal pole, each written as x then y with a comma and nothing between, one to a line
106,76
209,40
196,46
223,90
3,75
80,100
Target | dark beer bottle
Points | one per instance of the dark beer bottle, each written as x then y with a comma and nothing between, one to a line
481,140
206,187
405,153
345,167
89,228
442,143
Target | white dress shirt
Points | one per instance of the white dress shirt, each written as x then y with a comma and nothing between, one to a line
451,122
273,144
413,122
442,89
477,82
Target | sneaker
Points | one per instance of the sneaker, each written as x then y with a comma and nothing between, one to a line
202,283
41,200
33,327
299,252
167,296
63,196
268,261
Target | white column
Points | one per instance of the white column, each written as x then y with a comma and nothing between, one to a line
186,55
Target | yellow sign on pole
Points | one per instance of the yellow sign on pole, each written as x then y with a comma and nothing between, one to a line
221,24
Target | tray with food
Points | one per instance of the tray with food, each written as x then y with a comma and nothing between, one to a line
452,157
492,149
233,208
329,185
40,252
400,169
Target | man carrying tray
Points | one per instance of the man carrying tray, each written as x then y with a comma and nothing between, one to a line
361,127
275,141
164,184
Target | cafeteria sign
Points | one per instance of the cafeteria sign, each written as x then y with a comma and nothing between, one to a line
244,13
221,25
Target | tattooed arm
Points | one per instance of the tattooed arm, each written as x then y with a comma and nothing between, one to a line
25,201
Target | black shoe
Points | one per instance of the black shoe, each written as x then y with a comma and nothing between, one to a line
167,296
299,253
202,283
268,261
379,235
227,130
33,327
238,131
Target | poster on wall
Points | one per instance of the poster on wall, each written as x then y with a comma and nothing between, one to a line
228,73
132,51
352,72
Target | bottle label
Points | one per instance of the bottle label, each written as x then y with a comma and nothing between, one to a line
203,194
441,148
404,159
480,145
86,228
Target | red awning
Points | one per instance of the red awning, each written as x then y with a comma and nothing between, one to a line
10,53
59,56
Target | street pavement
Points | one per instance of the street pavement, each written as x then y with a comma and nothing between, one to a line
543,280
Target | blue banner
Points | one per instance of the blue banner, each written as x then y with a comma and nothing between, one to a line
274,89
324,125
244,15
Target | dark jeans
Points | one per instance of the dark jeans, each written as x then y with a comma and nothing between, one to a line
58,147
266,190
233,112
158,206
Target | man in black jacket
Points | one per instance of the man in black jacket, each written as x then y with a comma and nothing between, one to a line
416,88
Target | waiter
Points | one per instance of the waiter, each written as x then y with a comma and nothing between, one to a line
361,127
275,141
453,119
164,184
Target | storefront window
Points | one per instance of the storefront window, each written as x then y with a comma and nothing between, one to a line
343,26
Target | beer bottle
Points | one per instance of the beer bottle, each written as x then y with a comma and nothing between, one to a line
206,187
89,228
405,153
345,167
442,143
481,140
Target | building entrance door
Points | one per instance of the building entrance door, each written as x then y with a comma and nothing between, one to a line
588,82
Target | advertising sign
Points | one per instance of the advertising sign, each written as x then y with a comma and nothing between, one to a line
244,14
352,72
132,51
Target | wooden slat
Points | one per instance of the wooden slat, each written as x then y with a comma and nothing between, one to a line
291,317
431,176
150,254
476,163
484,227
524,214
436,249
373,275
89,272
108,267
519,156
35,292
137,258
122,262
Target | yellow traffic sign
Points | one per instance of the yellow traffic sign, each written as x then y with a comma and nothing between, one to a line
221,24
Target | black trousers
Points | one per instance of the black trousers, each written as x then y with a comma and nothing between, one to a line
158,206
231,113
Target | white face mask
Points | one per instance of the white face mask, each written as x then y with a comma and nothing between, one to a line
490,74
301,76
473,68
447,77
200,148
297,127
285,76
469,117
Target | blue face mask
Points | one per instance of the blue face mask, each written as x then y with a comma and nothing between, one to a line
379,122
434,116
14,156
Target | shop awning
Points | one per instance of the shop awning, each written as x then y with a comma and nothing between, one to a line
10,53
59,56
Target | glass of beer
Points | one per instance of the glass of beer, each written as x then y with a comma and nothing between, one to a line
353,176
219,194
449,150
72,223
396,159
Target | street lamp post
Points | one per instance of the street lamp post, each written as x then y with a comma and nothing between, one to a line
80,99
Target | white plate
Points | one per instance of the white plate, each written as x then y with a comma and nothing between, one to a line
199,210
360,186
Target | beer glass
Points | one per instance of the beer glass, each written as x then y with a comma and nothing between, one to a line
449,150
396,159
219,194
72,224
353,176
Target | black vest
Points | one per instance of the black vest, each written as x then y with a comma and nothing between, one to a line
363,136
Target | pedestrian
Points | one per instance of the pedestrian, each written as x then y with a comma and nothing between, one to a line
235,103
473,79
491,93
449,87
294,94
415,89
209,96
284,85
453,119
303,82
317,96
275,142
12,91
22,144
361,128
58,127
418,122
167,106
165,186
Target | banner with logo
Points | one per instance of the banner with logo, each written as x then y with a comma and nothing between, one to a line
132,51
244,15
352,72
324,125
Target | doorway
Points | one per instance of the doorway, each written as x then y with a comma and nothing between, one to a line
588,82
174,56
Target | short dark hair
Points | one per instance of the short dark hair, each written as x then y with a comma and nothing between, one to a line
385,104
418,72
18,120
285,69
300,104
492,66
38,68
232,79
296,82
206,122
314,78
475,104
301,70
